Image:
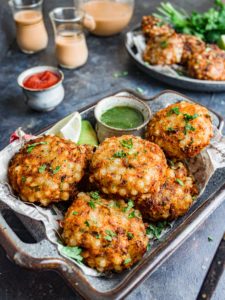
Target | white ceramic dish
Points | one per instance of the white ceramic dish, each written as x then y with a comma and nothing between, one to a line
42,99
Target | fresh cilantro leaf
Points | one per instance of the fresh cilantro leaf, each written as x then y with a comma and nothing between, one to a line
87,223
155,230
164,44
91,204
42,169
108,238
170,129
130,235
23,179
188,127
130,205
72,252
174,110
127,261
188,117
110,233
31,146
210,239
179,181
98,236
127,143
56,170
94,195
119,154
132,215
75,213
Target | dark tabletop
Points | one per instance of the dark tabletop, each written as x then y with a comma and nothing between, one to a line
183,273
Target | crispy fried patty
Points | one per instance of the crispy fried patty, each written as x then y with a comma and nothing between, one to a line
111,233
47,169
164,50
208,65
127,166
182,129
174,198
153,27
192,45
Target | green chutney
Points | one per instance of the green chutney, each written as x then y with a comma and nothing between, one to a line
122,117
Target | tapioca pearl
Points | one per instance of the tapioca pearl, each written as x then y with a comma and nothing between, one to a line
102,262
117,179
140,184
147,177
112,168
117,260
146,189
48,193
77,167
103,172
77,177
117,162
64,186
122,192
105,190
64,195
113,189
142,159
69,179
134,192
122,171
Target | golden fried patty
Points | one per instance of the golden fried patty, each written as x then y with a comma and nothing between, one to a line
208,65
153,27
127,166
47,169
164,50
192,45
111,233
182,129
174,198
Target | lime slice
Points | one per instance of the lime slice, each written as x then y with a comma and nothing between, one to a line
221,42
68,128
88,135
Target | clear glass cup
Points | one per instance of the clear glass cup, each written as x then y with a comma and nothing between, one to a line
31,33
70,42
111,16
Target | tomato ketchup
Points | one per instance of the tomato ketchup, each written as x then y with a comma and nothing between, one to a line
42,80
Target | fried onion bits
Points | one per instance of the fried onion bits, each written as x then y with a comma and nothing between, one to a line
127,166
47,169
110,232
182,129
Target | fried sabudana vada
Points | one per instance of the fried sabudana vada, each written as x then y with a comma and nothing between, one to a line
173,200
47,169
182,129
127,166
111,233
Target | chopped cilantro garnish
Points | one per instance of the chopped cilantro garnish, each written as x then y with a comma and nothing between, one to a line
164,44
127,261
98,236
31,146
210,239
132,215
174,110
188,127
179,181
94,195
188,117
87,223
91,203
170,129
110,233
155,230
56,170
127,143
74,213
42,168
23,179
130,205
120,74
130,235
119,154
72,252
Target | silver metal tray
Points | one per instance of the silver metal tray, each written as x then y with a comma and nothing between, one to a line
44,255
164,74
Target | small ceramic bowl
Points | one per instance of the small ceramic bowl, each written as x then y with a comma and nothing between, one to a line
42,99
104,131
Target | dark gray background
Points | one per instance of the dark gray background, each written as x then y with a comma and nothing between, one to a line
182,275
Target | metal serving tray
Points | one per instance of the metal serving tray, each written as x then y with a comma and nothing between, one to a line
44,255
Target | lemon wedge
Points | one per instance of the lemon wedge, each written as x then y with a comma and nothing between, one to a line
221,42
88,135
68,128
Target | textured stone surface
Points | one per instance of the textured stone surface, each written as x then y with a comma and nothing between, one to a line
181,276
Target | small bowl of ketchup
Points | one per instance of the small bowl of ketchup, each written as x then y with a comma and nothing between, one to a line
42,87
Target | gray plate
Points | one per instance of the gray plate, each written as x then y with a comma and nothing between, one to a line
44,255
177,81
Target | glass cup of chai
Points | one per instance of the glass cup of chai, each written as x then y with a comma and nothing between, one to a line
70,41
31,34
110,16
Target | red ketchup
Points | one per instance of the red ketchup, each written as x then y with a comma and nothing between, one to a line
41,80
